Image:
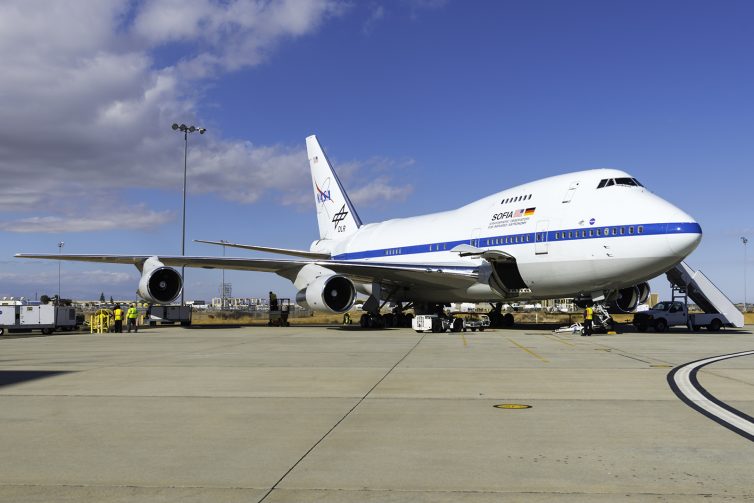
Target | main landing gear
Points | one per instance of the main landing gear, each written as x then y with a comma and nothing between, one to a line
498,319
395,319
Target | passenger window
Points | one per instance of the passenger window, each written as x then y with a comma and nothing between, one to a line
641,229
606,231
615,231
570,235
631,230
622,231
591,233
583,234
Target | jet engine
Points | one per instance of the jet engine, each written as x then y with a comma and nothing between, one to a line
332,294
628,298
159,284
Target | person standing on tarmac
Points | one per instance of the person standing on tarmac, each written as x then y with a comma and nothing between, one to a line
131,316
118,315
273,302
588,316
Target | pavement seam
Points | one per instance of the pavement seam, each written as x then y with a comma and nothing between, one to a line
341,419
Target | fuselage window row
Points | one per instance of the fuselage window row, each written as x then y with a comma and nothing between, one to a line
539,237
516,199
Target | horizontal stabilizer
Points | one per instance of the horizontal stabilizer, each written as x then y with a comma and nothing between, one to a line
267,249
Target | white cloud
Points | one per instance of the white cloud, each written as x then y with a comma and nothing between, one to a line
377,13
135,218
86,110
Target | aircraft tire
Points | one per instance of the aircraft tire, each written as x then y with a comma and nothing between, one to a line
508,320
364,320
457,325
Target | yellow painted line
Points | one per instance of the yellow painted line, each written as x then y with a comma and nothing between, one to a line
535,355
512,406
465,344
559,340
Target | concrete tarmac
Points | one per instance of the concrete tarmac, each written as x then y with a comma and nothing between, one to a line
330,414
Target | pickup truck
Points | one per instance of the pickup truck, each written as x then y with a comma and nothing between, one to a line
672,313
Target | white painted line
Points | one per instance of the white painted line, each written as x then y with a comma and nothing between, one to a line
686,386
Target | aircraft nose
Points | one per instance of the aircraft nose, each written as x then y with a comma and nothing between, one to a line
683,238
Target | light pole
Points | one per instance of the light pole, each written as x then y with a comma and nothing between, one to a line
60,252
185,130
745,242
222,285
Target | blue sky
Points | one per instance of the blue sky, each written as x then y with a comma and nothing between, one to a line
422,106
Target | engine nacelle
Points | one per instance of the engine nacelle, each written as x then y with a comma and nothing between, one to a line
628,298
159,284
643,292
332,294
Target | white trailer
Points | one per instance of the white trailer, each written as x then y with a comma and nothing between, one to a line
45,317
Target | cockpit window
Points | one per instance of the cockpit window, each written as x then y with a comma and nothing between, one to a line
630,182
624,181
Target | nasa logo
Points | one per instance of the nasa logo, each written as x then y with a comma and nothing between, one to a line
592,221
323,195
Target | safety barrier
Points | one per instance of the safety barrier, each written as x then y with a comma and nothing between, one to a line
100,321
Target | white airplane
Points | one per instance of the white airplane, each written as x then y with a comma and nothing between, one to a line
595,235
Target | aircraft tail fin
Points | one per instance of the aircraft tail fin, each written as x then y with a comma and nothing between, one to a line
336,216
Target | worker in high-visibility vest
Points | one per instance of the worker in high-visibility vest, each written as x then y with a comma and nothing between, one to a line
131,316
118,315
588,316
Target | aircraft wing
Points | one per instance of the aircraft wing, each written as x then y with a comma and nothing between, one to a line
424,276
269,249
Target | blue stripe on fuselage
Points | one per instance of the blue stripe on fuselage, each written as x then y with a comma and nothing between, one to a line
532,238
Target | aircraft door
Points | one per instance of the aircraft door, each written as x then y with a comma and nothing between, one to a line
474,241
541,246
571,190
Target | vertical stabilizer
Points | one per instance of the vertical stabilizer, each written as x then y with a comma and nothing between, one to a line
336,216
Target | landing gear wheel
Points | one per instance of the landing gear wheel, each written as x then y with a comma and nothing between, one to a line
508,320
457,325
364,320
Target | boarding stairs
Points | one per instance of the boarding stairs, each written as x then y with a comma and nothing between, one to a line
704,293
